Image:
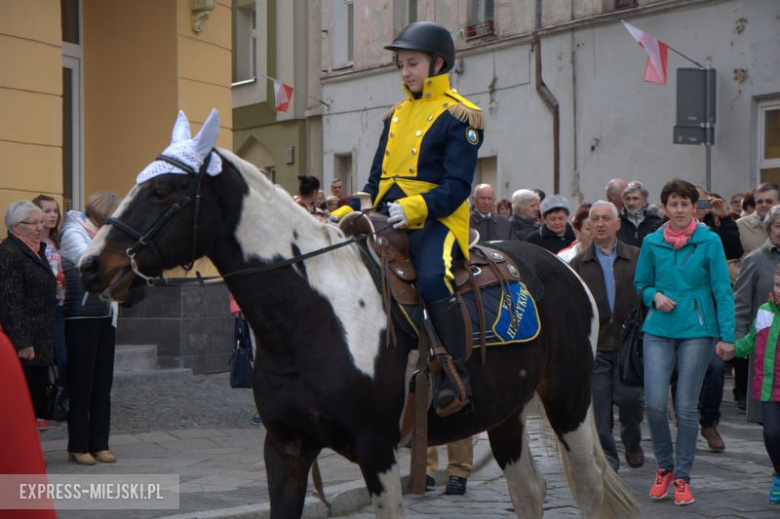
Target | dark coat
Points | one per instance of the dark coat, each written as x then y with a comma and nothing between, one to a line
28,299
522,227
493,227
544,237
76,305
630,234
728,231
587,266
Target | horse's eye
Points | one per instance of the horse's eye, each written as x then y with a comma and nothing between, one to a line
159,193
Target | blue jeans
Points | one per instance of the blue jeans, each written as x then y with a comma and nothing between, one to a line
691,357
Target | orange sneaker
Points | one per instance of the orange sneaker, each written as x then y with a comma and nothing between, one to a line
682,492
661,486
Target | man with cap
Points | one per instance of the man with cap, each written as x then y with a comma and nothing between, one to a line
555,234
421,177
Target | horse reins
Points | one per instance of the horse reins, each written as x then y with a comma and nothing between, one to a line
146,239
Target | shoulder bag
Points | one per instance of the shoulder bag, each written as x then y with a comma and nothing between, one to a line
631,367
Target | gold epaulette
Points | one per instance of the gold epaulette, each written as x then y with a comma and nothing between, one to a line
389,113
466,111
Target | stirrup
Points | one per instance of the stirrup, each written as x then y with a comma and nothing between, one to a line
450,374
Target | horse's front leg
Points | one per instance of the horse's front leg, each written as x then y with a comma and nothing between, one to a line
287,465
382,475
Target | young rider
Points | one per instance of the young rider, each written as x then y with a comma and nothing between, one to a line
421,177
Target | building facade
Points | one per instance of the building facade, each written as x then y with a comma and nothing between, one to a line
610,122
277,40
89,92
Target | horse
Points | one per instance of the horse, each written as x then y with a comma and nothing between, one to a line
325,375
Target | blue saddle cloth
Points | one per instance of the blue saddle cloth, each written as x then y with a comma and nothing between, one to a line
511,315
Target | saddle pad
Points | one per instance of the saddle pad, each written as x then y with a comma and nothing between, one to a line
499,308
510,316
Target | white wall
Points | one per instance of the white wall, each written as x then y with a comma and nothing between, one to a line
621,125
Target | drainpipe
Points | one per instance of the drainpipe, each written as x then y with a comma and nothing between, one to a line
549,100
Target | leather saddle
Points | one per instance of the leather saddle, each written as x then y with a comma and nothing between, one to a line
485,267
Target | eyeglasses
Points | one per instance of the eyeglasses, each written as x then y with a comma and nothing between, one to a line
34,224
764,201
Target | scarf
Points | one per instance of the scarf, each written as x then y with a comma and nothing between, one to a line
33,247
678,238
87,224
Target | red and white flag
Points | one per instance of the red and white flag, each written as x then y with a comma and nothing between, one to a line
655,67
282,96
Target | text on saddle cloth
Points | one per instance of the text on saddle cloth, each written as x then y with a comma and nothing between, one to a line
511,315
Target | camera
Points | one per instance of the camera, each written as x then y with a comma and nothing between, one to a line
703,204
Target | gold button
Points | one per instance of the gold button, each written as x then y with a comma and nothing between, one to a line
411,170
414,151
445,105
392,134
418,133
430,82
387,152
430,118
395,119
384,171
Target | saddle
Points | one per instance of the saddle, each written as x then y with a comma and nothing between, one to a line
485,267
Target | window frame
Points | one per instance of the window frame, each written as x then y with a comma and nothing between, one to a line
761,162
246,37
481,26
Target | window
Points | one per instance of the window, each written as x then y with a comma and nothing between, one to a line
72,169
486,172
480,18
343,170
245,45
343,36
404,13
617,5
769,142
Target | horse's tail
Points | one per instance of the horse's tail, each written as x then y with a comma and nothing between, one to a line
617,501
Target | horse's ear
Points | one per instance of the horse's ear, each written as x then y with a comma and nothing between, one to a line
181,130
207,136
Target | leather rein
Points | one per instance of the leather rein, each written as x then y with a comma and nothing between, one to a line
147,238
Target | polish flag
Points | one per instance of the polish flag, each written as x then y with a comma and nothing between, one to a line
282,96
655,67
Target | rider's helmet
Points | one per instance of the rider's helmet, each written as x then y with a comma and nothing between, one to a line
427,37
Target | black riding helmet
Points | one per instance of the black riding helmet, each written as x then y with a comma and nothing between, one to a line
427,37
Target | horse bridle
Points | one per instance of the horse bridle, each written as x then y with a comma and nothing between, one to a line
146,239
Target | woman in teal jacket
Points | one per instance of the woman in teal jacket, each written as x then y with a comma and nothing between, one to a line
684,282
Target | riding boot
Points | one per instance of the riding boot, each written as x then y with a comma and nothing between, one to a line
447,321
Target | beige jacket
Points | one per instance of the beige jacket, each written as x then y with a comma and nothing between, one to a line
751,232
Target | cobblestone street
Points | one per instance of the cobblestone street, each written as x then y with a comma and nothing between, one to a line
198,427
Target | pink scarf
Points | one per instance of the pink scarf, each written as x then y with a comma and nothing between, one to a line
678,238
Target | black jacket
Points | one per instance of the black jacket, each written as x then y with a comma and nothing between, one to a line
728,231
630,234
522,227
544,237
493,227
28,299
76,306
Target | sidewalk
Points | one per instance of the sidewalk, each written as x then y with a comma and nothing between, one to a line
200,429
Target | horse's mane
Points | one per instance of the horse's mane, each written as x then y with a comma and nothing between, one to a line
272,193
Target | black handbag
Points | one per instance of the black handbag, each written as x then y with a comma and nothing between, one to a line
241,361
631,366
56,404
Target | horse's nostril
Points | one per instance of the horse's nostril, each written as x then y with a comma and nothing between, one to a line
89,267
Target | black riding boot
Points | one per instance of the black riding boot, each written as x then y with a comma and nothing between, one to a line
447,320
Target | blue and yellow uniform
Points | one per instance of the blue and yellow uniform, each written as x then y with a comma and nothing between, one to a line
425,161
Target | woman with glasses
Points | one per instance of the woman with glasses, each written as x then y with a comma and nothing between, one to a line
90,338
28,302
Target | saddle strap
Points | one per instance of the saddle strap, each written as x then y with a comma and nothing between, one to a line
480,316
387,295
503,281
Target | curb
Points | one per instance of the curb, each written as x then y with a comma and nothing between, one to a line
344,499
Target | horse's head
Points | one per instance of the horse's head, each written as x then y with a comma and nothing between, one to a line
156,225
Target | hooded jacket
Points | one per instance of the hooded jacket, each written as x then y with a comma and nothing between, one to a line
695,277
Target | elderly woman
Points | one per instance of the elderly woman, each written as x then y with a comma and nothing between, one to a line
525,208
28,301
582,230
683,280
90,338
754,283
555,234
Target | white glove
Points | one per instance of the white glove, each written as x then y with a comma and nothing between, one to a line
397,216
334,219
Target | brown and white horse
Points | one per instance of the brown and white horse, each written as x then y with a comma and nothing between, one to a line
324,376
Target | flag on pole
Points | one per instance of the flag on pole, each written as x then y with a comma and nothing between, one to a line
655,67
282,96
